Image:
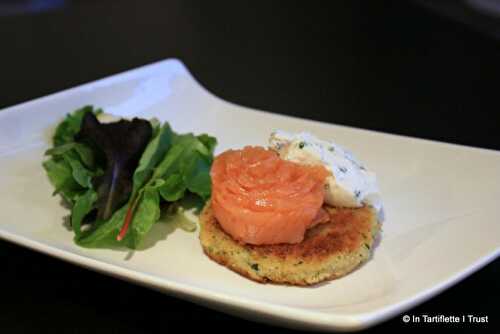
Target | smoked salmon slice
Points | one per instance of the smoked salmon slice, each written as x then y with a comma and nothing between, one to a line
259,198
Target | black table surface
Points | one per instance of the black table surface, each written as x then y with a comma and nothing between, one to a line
389,66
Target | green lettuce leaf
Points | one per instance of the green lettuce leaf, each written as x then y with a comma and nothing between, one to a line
209,142
183,149
61,177
85,153
191,159
155,125
104,233
83,205
153,153
196,175
80,174
146,215
185,167
67,129
172,188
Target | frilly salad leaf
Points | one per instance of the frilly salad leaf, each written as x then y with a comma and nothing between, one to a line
61,176
84,152
71,165
116,176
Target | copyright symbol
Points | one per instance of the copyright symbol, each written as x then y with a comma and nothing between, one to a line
406,318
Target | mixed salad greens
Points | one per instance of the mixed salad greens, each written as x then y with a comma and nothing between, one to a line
115,176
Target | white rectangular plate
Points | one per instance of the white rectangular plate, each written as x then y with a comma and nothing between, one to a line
441,206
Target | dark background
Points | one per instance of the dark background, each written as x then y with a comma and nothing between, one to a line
400,67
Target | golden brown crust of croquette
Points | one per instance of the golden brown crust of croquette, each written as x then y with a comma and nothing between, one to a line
329,250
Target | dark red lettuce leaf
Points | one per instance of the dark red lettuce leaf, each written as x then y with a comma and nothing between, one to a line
121,144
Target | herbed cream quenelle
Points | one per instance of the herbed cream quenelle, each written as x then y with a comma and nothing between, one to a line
351,184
